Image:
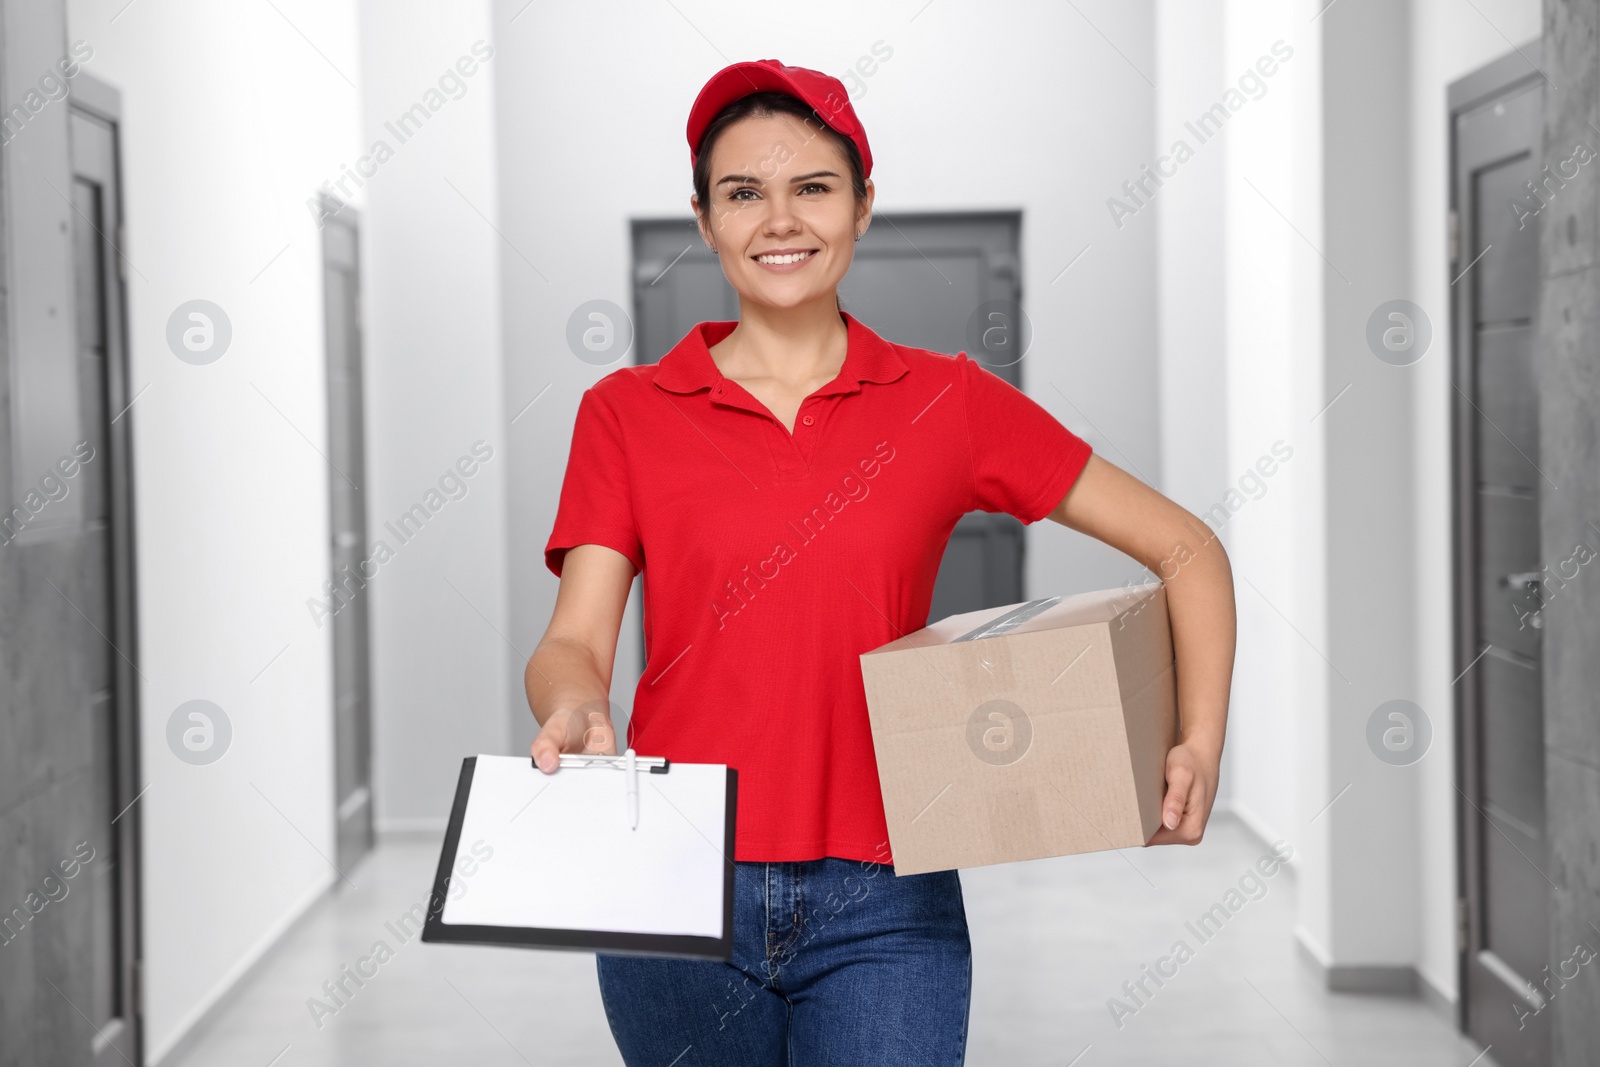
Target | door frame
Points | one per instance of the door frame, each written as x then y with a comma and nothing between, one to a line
350,844
1511,71
99,100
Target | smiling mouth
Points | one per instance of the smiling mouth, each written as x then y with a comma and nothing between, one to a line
791,257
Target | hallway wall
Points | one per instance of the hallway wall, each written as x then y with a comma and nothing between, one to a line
1569,450
1270,441
445,682
1193,381
1054,130
231,119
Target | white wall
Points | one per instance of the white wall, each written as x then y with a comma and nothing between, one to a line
1269,432
1316,221
1189,77
1305,810
230,120
1372,856
1054,129
1450,38
445,680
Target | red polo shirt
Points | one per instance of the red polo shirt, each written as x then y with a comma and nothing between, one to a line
771,561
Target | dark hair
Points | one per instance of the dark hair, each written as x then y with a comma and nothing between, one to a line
768,103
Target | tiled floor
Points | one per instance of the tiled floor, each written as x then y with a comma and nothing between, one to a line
1053,941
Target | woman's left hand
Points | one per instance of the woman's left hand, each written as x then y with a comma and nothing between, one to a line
1192,774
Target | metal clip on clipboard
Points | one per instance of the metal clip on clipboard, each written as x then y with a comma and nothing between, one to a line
629,761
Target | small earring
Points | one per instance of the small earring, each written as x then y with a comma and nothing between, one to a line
858,235
713,249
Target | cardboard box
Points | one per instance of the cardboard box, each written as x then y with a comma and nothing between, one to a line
1023,731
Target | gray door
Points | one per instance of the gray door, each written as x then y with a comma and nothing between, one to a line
1496,127
105,555
69,946
945,282
352,716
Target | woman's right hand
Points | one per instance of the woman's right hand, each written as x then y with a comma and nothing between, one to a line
584,729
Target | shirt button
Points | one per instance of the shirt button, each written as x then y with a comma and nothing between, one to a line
808,420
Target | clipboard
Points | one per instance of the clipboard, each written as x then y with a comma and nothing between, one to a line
552,860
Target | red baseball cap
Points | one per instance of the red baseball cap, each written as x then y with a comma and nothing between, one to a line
826,95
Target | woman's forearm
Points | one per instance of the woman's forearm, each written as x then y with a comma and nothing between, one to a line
568,677
564,673
1201,608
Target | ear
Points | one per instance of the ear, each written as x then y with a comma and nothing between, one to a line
703,222
864,214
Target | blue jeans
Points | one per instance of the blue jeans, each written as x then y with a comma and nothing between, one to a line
834,962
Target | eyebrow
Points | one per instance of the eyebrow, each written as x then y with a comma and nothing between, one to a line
748,179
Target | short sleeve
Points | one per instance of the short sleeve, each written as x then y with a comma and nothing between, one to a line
596,506
1023,459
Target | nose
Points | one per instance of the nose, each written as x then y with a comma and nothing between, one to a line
780,218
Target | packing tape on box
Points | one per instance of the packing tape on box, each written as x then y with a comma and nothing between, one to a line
1010,620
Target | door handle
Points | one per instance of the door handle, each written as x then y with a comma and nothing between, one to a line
1523,578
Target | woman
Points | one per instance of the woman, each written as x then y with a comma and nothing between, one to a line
792,479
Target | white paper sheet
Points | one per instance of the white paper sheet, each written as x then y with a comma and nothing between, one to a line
565,857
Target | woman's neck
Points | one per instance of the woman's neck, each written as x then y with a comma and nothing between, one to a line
793,345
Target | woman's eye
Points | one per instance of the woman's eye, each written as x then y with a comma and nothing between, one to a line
737,194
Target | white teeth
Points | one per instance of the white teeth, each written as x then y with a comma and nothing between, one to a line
793,257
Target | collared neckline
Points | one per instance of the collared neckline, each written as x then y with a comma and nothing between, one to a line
688,367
